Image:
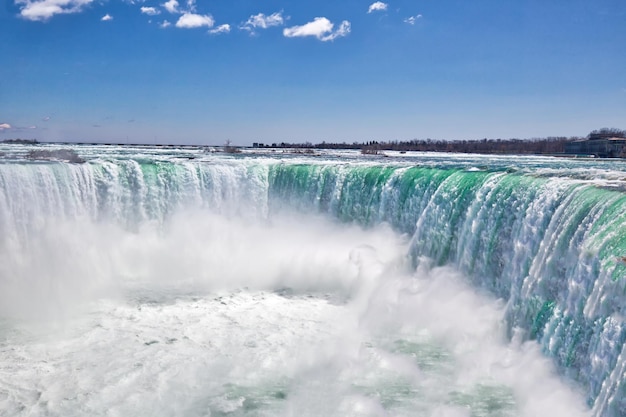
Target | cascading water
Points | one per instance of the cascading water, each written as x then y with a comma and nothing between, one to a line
549,246
173,282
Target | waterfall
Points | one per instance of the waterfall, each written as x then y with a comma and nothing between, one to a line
549,246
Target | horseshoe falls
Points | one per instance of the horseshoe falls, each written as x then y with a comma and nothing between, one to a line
175,282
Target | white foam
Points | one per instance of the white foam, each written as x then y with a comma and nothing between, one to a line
298,316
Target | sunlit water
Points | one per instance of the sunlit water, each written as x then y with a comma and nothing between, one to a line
216,291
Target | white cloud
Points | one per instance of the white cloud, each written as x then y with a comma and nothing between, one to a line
165,24
320,27
150,11
191,20
7,126
411,20
106,17
261,21
42,10
171,6
225,28
377,6
344,30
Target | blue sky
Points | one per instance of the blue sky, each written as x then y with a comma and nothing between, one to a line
203,72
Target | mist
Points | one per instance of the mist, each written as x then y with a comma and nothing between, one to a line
211,314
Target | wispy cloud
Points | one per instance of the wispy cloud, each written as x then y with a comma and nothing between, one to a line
411,20
106,17
377,6
165,24
9,127
262,21
171,6
191,21
42,10
225,28
150,11
320,27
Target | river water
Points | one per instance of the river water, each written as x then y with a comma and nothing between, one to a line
179,282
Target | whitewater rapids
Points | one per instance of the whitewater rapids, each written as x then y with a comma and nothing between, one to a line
299,316
175,283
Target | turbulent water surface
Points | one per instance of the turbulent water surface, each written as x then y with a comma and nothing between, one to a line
176,282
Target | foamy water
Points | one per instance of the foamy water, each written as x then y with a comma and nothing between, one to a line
165,281
221,315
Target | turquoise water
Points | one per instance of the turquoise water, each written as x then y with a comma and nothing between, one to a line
542,236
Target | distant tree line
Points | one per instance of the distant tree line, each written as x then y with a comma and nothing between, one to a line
549,145
607,133
21,141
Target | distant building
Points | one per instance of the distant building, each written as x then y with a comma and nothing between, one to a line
598,146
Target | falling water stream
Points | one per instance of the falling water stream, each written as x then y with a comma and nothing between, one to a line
175,282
